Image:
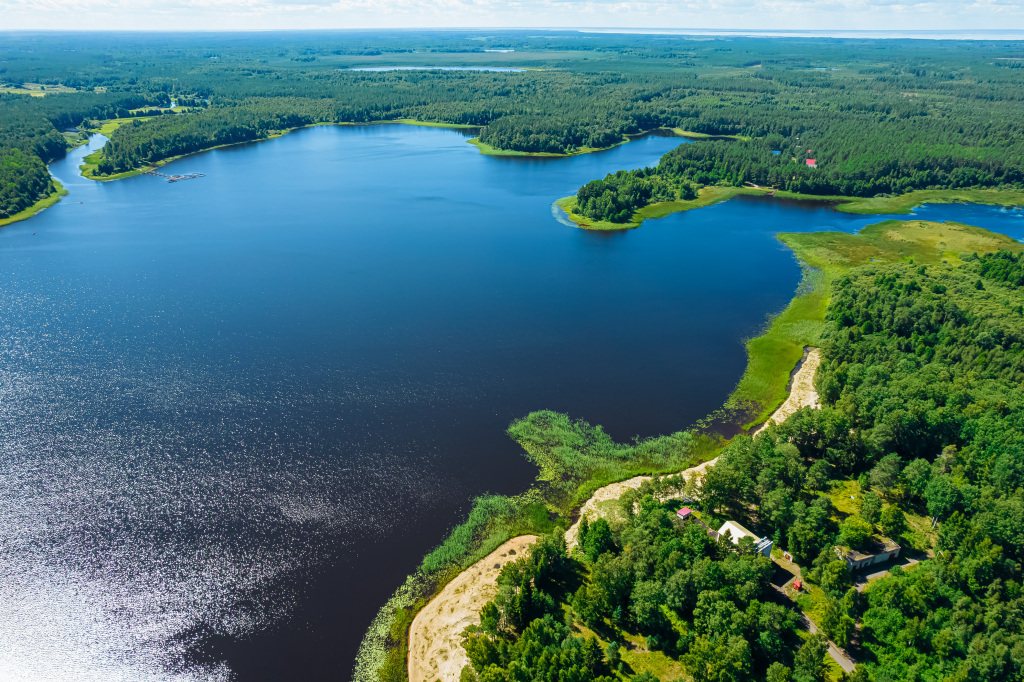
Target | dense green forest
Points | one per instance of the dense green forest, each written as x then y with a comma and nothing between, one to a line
30,137
879,116
920,438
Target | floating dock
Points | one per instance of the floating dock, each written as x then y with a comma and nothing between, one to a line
174,178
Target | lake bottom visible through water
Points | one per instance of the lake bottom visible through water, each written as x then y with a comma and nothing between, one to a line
236,411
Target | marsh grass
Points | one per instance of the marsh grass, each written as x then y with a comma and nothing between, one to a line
772,356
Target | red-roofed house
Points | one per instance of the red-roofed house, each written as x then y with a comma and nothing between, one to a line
684,513
812,163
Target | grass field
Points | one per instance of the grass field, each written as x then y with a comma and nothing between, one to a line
431,124
35,89
704,136
40,205
110,125
907,202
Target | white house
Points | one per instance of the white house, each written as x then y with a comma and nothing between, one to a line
762,546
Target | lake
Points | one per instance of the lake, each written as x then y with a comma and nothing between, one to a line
236,411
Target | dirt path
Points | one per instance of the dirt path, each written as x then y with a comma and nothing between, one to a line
435,638
592,508
801,393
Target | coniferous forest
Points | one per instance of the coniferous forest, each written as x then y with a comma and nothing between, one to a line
876,116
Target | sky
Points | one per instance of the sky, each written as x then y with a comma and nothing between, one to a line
823,16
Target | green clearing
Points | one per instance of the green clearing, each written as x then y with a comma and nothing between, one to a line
35,89
433,124
905,203
705,136
108,126
40,205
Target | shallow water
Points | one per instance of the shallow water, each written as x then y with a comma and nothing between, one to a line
236,411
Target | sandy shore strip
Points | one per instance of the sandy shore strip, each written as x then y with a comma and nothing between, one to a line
801,393
435,638
592,508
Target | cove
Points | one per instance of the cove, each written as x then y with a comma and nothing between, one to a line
236,411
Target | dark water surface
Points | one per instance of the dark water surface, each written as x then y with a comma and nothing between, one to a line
236,411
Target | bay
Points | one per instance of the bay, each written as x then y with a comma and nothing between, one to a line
236,411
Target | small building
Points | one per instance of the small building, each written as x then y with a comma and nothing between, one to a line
684,513
798,585
762,546
775,153
813,163
880,551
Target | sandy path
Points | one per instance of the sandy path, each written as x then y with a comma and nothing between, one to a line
591,510
435,638
802,393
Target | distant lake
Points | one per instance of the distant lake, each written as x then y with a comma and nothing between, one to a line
501,69
236,411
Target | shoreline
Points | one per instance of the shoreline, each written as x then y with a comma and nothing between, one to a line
276,134
903,204
481,147
435,636
435,651
46,202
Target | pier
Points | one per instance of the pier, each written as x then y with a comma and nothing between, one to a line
174,178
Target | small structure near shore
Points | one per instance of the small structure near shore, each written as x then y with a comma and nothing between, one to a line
880,551
762,546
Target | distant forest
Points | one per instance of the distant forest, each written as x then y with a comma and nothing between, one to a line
877,116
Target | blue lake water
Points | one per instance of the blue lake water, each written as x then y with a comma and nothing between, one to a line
236,411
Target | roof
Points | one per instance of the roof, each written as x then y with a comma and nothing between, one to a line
685,511
812,162
879,546
737,531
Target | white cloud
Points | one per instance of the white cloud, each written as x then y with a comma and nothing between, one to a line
736,14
